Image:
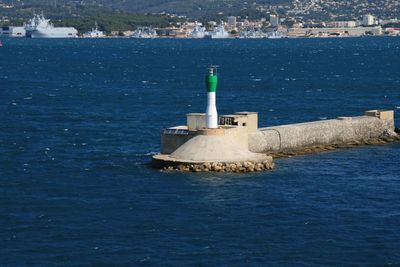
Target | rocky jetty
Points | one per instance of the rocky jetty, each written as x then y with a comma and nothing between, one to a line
237,167
268,164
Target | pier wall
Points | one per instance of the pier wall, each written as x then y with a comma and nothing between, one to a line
238,144
337,131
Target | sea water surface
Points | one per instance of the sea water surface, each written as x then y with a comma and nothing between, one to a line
80,119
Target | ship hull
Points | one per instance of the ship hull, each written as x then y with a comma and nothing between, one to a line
56,33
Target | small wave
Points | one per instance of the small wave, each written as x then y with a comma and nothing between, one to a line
151,153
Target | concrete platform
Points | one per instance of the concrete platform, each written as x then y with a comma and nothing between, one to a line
239,145
213,149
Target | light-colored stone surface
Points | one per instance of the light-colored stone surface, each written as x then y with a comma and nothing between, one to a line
337,131
215,148
196,121
206,131
252,120
386,115
237,147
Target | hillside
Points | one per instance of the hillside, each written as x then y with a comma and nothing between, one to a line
209,9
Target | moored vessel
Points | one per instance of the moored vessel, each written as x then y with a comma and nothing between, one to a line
40,27
94,33
198,31
275,35
219,33
144,32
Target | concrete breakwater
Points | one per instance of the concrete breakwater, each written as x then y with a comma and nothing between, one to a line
209,142
373,126
238,145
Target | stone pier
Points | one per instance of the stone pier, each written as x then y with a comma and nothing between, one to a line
238,145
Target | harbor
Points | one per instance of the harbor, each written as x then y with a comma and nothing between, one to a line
82,118
232,28
199,133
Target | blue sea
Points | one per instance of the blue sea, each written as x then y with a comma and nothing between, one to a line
80,120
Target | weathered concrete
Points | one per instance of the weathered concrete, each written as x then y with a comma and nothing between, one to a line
239,146
228,145
338,131
170,142
215,148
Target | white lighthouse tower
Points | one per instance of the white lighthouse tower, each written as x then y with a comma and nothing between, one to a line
211,112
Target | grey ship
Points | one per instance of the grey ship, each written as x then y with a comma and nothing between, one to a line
40,27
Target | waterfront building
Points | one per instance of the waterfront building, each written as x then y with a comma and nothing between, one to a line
341,24
332,32
368,20
12,31
274,20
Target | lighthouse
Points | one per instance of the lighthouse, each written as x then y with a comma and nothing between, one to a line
211,84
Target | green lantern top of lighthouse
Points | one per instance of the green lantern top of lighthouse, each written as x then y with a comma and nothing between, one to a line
212,79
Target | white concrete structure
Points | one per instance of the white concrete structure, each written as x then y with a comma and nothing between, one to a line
373,125
216,147
238,138
244,126
194,144
325,32
18,32
341,24
13,31
211,111
368,20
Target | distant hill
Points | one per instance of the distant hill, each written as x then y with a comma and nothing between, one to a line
211,9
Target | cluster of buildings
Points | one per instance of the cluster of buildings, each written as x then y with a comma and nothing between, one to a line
368,25
234,27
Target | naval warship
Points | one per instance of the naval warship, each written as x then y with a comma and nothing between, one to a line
40,27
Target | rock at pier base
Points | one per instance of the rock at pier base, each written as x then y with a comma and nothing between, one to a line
237,167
